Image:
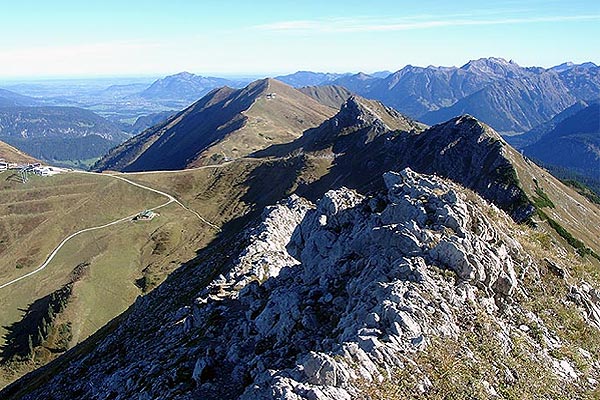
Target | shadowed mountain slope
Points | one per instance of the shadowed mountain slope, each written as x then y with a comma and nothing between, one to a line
225,124
535,134
573,143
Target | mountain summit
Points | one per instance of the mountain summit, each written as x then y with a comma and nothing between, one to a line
183,86
225,124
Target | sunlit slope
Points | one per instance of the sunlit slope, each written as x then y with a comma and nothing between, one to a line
104,270
224,124
13,155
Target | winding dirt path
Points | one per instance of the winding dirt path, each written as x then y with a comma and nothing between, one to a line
171,199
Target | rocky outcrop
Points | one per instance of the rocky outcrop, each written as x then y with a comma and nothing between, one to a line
356,298
588,298
323,299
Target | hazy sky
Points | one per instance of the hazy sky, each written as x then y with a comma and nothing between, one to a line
153,37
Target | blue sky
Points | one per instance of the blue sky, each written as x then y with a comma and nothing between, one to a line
154,37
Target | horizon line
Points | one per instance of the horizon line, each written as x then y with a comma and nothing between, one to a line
246,75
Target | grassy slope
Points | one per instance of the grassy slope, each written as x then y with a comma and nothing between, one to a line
224,193
36,217
279,115
11,154
573,211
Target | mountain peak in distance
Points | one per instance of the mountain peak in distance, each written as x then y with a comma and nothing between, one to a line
225,124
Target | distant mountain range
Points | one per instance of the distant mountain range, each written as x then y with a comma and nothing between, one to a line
510,98
185,86
512,105
570,65
501,93
309,78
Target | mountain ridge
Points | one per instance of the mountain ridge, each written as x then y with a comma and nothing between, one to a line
221,113
435,94
387,203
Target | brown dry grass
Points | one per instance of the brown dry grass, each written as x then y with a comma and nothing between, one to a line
35,217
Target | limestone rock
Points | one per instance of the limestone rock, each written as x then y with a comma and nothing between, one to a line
319,299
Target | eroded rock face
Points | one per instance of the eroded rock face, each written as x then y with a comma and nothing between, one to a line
321,299
350,287
588,298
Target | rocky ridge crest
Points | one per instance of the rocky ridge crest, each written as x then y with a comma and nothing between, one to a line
325,300
355,289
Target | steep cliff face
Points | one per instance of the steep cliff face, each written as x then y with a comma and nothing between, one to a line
404,292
